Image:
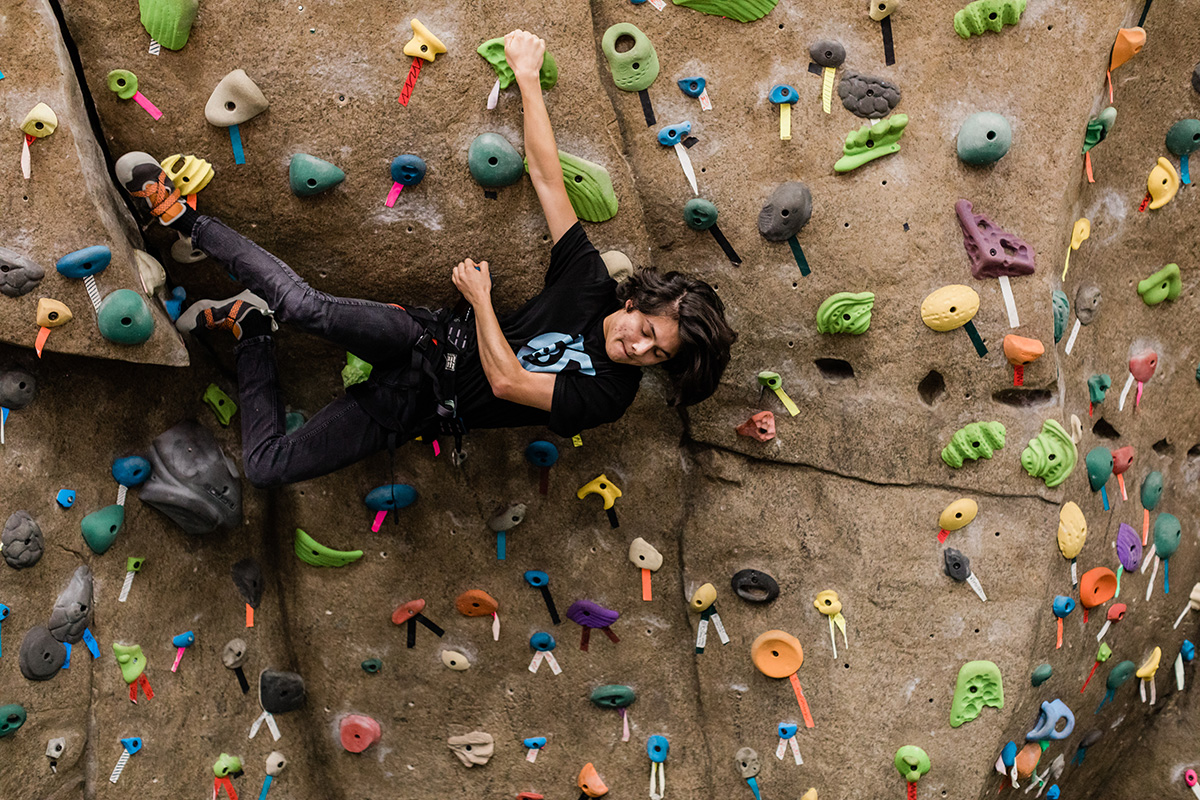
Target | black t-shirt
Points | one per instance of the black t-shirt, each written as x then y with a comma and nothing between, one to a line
560,331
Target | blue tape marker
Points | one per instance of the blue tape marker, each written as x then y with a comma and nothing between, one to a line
235,139
1184,174
67,663
90,641
1104,497
500,544
266,785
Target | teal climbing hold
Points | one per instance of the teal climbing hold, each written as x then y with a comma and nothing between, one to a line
100,528
309,175
493,161
984,138
125,318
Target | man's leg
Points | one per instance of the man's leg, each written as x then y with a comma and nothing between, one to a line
338,435
376,332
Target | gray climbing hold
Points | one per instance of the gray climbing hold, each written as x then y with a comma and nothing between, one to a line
73,609
194,483
957,565
279,692
17,389
786,211
868,97
248,578
1087,303
18,275
22,541
827,53
41,656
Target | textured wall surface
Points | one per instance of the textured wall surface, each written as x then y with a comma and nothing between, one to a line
846,497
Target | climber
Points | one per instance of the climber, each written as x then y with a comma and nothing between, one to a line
570,358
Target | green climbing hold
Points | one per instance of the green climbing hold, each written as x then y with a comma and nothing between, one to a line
1167,533
1062,312
355,371
1041,674
293,421
1098,128
740,10
589,188
131,661
1099,463
309,175
1119,674
1152,489
974,441
12,717
493,52
872,141
222,405
100,528
987,15
1184,137
310,551
169,21
372,666
846,312
493,161
984,138
699,214
636,68
1098,386
125,318
979,685
123,82
1162,285
912,762
227,765
1051,455
613,696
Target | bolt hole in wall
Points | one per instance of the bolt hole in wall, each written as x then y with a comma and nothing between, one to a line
1023,398
931,388
1162,447
834,369
1105,430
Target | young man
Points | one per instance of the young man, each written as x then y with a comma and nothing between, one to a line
570,358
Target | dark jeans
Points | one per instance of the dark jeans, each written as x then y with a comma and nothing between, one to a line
342,432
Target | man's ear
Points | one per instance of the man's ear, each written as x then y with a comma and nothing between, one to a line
629,305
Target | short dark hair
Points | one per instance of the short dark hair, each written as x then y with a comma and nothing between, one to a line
697,368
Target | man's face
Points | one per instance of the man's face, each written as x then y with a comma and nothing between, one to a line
641,340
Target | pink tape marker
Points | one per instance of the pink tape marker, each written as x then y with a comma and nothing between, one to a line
151,109
397,188
380,516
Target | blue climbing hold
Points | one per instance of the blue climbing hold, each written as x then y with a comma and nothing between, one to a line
1063,605
787,730
541,454
692,87
535,742
131,471
1188,650
65,497
88,261
408,169
185,639
536,578
657,748
542,642
671,135
132,744
390,497
782,93
1008,756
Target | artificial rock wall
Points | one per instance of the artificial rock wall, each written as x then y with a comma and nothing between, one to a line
846,496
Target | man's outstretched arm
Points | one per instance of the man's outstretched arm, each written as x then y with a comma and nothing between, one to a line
504,372
524,52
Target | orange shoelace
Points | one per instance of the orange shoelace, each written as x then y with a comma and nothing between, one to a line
229,323
158,196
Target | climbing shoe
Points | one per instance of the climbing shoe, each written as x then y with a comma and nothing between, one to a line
142,177
245,315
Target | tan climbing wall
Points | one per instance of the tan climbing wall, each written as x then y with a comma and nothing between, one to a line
846,497
68,203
